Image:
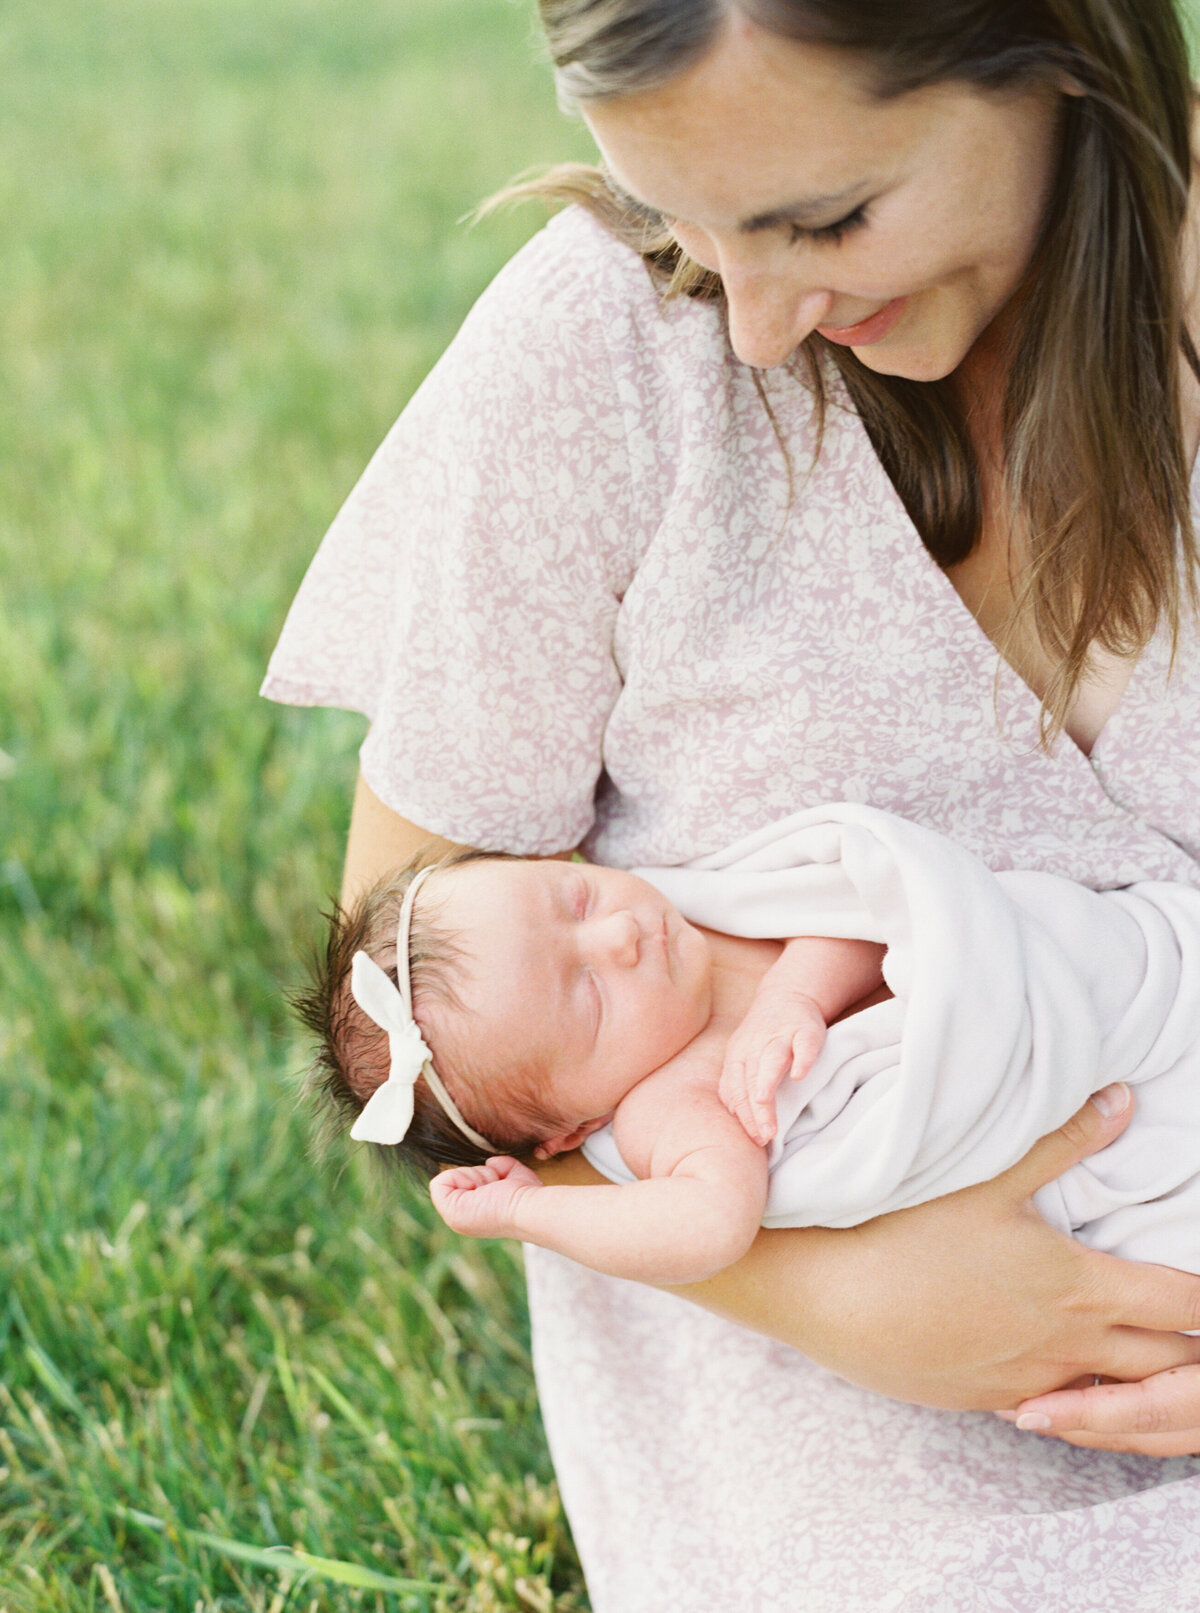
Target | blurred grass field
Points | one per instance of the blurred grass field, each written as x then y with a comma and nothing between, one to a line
230,251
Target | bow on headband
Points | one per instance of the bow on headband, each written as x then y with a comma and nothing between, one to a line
388,1112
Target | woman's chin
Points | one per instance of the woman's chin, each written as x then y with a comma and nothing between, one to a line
911,360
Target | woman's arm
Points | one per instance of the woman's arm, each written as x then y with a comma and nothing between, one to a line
968,1301
380,841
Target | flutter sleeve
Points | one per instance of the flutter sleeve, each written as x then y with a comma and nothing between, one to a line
465,597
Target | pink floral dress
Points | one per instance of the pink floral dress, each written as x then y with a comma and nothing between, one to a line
581,603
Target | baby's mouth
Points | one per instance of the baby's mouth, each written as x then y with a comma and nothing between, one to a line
668,937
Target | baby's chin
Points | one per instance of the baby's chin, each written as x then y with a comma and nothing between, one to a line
691,948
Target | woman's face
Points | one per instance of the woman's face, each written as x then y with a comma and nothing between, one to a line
899,228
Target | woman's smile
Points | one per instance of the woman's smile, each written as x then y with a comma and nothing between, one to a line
865,332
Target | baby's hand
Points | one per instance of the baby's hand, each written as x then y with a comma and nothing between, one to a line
783,1033
478,1200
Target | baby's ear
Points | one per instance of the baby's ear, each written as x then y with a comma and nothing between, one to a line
566,1140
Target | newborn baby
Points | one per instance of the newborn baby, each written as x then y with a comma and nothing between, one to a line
559,1003
549,999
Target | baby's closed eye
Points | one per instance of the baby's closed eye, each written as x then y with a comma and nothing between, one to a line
579,896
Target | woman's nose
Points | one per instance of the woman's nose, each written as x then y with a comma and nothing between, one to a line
769,316
614,938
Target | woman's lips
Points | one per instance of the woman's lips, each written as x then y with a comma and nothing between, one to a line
872,329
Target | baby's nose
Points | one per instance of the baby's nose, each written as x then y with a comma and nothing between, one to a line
617,937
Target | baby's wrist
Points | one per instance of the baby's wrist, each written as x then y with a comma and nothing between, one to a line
793,996
518,1222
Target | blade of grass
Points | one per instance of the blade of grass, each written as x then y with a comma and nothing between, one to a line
292,1561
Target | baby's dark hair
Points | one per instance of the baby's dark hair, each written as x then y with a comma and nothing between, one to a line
352,1056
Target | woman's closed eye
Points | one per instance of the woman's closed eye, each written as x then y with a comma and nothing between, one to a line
832,233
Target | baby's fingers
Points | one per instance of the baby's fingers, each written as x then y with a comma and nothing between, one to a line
773,1065
734,1093
806,1045
505,1168
464,1178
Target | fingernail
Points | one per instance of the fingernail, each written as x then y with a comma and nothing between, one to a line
1033,1422
1112,1100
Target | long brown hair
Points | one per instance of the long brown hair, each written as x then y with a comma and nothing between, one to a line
1094,456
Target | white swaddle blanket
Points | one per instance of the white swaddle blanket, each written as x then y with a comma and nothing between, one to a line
1016,996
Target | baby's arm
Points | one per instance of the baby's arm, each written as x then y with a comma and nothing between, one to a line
814,979
697,1211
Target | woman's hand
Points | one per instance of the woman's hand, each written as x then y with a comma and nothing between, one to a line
1159,1416
972,1301
968,1301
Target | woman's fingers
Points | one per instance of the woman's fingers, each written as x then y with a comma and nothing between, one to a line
1101,1120
1164,1409
1132,1352
1153,1296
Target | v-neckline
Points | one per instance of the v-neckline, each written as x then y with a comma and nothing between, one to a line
1065,749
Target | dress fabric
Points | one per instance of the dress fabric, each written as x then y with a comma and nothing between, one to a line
583,598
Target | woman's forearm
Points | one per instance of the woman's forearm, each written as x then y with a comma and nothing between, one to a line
968,1301
767,1289
380,841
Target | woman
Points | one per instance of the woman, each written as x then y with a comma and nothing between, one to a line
646,577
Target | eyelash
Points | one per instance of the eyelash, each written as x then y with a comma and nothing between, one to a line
581,901
831,233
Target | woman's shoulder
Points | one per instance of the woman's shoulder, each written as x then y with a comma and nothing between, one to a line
574,250
573,261
574,293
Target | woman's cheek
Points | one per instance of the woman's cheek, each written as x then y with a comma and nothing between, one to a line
697,244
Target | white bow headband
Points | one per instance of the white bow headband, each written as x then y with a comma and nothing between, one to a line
388,1112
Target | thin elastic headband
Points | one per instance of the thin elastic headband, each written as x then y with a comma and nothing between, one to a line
388,1112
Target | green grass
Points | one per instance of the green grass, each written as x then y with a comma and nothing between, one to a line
230,251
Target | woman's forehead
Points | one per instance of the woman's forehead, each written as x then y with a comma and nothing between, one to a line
798,123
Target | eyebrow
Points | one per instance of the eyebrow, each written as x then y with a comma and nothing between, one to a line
810,210
807,211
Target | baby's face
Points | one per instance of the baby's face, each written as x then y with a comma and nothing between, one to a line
586,973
